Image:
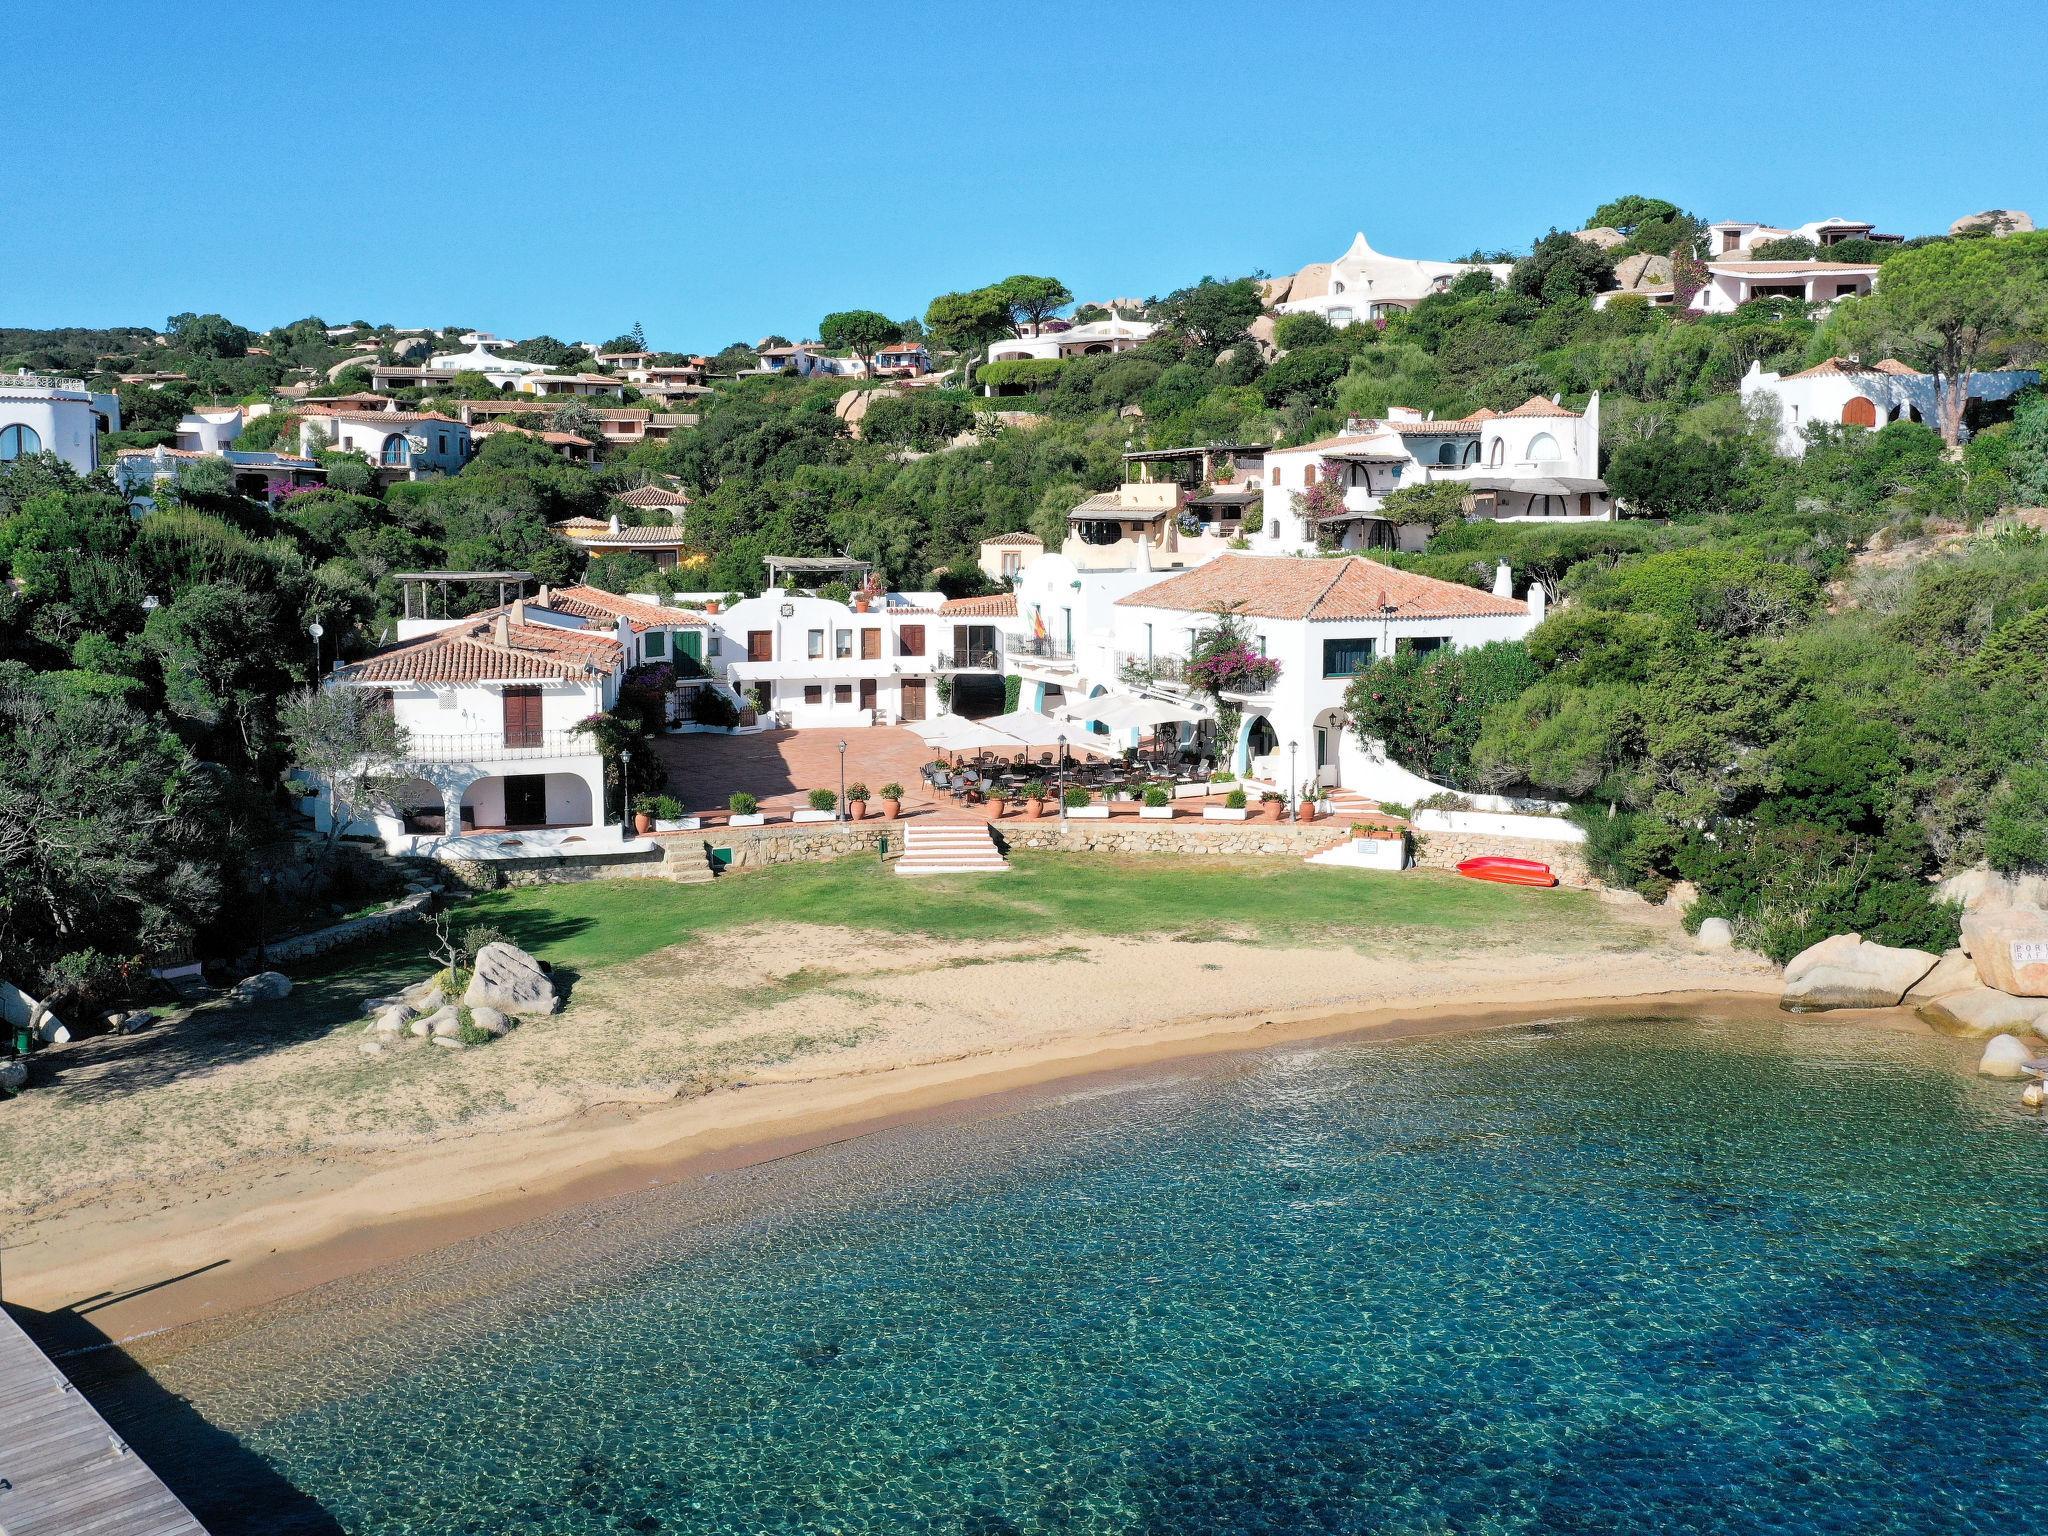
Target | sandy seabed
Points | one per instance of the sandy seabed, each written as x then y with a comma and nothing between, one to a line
744,1047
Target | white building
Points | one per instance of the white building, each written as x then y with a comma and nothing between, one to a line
1536,463
210,429
1731,237
1857,394
400,445
1063,639
1731,283
1364,285
39,414
1321,620
490,706
1056,338
480,359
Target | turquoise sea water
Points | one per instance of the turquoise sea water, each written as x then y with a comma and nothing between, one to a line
1652,1276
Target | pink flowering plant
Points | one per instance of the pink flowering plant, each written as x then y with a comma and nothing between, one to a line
1222,659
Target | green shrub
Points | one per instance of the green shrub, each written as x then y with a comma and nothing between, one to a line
710,707
2016,823
667,808
740,803
1157,795
475,937
1037,789
1028,373
1077,797
823,799
892,791
1235,800
854,791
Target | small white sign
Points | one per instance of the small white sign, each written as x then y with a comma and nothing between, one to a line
2029,952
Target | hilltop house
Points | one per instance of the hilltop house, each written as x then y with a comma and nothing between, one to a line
1732,283
666,546
400,445
1364,285
39,414
1321,620
1536,463
1003,556
1857,394
1175,508
1732,237
490,705
1058,338
264,475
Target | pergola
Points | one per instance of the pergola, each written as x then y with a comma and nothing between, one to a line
426,581
826,566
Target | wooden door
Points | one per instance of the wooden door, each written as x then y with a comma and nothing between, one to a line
910,640
526,800
913,698
871,645
522,717
760,645
1859,412
867,693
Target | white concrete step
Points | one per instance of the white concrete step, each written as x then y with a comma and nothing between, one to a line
950,848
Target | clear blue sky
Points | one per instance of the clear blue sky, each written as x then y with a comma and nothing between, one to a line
718,172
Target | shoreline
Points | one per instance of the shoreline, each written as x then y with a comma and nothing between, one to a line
162,1264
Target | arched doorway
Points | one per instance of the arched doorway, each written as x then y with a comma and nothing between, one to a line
1859,412
1329,748
1255,739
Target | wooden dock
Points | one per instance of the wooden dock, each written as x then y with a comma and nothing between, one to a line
63,1471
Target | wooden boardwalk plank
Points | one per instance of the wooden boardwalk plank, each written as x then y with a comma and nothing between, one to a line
69,1474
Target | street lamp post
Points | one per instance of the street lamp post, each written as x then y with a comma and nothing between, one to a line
841,801
1062,780
316,632
626,793
1293,784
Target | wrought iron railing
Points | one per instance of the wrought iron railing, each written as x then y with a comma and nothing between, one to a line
424,748
1045,647
971,661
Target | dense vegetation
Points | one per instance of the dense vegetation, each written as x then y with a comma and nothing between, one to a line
1770,685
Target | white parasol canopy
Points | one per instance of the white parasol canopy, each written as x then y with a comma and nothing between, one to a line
1036,730
937,726
1129,711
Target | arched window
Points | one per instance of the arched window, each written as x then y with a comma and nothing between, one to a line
1542,447
1859,412
18,443
1499,453
1336,287
1447,454
397,451
1472,451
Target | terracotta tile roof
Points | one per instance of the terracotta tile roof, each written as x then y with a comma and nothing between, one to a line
652,496
1018,539
468,652
1435,428
588,530
1287,587
595,602
1536,405
1776,268
1847,367
1003,605
383,418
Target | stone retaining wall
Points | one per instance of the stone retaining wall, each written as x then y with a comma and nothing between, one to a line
1447,850
559,869
371,925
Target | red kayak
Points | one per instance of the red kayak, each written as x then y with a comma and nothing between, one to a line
1508,871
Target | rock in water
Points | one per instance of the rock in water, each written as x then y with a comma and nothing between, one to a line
510,980
2010,947
1979,1011
2004,1056
263,987
1846,972
1953,972
1716,933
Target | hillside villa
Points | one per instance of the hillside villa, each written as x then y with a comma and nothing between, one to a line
400,445
1857,394
40,414
1364,285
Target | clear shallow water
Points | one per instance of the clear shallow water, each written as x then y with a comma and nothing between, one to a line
1642,1277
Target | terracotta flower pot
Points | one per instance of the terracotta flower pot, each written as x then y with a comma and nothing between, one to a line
996,809
642,823
892,808
1270,810
857,809
1033,809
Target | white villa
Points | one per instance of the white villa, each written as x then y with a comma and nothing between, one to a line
1364,285
1321,620
480,359
400,445
1858,394
490,704
1536,463
1730,237
1090,338
1731,284
1189,514
39,414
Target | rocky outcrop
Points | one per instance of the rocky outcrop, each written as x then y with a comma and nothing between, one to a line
2004,1056
1716,933
490,1021
511,981
1980,890
1846,972
1953,972
2010,948
1979,1011
2000,221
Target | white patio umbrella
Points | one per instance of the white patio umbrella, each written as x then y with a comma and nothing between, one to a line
976,736
1036,730
937,726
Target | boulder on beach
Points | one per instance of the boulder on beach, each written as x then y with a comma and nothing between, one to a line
1846,972
510,980
1982,890
2010,948
1979,1011
1953,972
2004,1056
263,987
1716,933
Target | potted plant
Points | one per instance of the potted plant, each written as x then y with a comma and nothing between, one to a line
668,815
1310,805
824,805
743,810
1232,808
1271,804
856,801
998,801
1078,802
643,814
1035,796
1379,846
1158,804
892,800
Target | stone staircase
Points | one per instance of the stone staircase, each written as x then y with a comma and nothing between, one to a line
687,861
1347,804
950,848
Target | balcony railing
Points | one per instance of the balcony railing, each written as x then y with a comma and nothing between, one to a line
1046,649
970,661
1160,668
423,748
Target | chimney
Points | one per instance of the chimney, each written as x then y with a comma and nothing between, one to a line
1142,560
615,522
1503,580
1539,601
624,634
518,610
501,632
546,596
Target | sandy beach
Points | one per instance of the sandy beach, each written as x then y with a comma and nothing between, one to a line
294,1166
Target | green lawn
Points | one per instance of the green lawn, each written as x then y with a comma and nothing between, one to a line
602,922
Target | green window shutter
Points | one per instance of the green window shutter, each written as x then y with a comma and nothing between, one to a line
691,644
